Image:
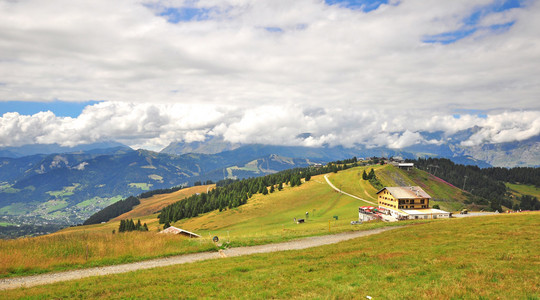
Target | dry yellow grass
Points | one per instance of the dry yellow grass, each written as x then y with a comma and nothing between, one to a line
155,203
85,249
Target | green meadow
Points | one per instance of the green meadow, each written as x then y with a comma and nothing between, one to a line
264,219
492,257
523,189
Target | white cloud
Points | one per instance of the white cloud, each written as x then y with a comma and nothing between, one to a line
346,76
154,126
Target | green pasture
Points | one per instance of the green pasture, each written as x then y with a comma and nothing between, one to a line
523,189
492,257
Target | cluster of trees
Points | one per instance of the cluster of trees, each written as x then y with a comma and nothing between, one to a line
197,183
372,178
527,202
346,161
524,175
159,192
233,193
113,210
486,185
225,182
129,225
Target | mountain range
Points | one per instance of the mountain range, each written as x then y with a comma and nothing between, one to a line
65,185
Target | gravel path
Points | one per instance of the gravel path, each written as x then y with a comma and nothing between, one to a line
345,193
17,282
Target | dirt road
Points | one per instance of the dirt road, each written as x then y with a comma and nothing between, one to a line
17,282
345,193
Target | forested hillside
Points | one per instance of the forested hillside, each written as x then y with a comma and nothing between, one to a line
487,183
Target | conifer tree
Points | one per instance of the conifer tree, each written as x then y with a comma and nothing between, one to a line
371,174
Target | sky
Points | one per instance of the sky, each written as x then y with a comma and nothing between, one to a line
377,73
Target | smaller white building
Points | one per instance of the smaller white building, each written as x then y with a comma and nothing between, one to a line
430,213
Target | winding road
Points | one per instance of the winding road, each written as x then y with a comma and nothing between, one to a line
345,193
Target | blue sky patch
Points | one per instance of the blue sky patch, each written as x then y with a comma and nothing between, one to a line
59,108
184,14
470,24
449,37
273,29
364,5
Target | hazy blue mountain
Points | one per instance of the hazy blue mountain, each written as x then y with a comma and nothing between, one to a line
524,153
257,167
211,145
68,187
33,149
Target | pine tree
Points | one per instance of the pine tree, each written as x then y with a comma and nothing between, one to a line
167,225
280,186
364,175
272,189
122,227
131,225
145,227
308,177
265,191
371,174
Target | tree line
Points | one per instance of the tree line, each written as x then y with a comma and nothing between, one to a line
129,225
486,185
234,193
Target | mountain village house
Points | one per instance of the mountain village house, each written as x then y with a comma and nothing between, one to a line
408,202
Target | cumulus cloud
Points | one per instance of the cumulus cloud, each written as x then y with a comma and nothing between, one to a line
248,53
265,71
154,126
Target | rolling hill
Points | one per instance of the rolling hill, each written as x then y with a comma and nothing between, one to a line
264,219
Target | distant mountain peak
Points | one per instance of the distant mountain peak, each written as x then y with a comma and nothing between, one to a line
212,145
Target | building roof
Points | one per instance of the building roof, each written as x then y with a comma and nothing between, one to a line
176,230
406,192
406,164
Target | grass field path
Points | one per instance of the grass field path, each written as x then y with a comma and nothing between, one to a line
18,282
345,193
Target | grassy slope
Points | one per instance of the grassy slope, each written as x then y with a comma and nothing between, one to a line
155,203
523,189
470,258
271,217
446,195
263,219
